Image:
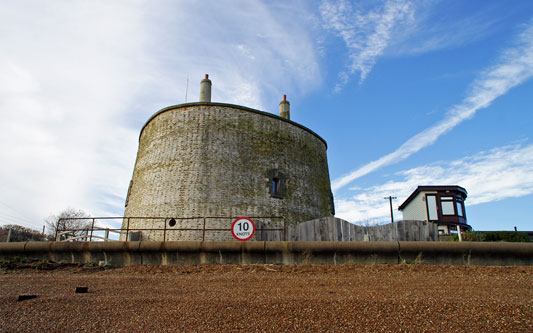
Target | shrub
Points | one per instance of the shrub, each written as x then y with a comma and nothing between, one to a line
506,236
492,236
23,234
474,236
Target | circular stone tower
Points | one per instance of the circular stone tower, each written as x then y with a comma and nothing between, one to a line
212,162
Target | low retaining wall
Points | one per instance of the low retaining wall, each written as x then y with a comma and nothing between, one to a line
279,253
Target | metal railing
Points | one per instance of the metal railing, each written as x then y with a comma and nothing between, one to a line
90,230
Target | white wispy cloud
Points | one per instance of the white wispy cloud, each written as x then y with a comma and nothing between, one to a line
366,33
78,79
67,74
497,174
436,26
514,67
253,54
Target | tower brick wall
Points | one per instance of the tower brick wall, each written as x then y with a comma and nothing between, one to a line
214,159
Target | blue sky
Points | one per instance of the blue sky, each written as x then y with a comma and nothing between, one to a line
406,93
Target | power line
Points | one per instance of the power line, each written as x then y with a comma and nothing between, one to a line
13,213
20,218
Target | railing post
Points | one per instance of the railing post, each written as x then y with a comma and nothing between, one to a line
127,229
165,230
284,230
203,231
92,229
106,234
57,228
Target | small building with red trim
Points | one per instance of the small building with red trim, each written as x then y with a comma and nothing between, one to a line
441,204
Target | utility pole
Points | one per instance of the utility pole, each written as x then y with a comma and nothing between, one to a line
392,215
390,201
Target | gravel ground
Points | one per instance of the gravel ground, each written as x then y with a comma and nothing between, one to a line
379,298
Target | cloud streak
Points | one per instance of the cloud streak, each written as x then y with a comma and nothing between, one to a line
514,67
497,174
365,33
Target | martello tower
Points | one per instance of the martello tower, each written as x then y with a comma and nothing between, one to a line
214,159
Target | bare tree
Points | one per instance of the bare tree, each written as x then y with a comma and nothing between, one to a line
74,221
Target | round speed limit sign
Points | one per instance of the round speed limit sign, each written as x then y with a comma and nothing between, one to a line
243,228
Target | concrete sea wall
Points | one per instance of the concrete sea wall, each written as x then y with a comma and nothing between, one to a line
278,253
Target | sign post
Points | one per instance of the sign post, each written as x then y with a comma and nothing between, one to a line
243,228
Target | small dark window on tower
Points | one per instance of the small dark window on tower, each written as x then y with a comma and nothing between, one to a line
276,184
172,222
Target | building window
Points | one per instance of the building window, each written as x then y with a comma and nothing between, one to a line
276,184
446,204
431,201
460,207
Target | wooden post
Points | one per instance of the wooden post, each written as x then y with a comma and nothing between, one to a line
203,231
57,228
92,228
284,230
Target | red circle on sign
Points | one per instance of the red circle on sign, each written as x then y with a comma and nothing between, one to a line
233,229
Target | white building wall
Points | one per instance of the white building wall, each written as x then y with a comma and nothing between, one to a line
416,209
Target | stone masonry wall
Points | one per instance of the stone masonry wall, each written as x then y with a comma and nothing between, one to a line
211,159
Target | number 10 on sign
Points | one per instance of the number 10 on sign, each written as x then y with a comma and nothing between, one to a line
243,228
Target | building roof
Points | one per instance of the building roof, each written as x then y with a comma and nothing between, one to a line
433,188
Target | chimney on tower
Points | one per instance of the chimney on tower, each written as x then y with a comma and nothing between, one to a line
285,108
205,89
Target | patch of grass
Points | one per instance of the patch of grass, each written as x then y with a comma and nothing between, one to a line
42,265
